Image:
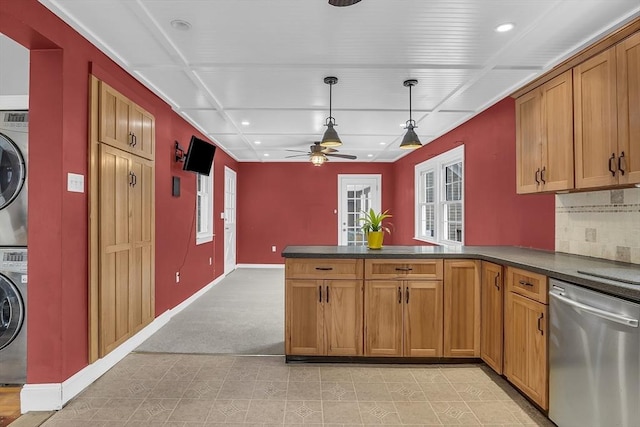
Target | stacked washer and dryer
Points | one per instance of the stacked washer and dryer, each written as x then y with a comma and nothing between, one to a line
14,126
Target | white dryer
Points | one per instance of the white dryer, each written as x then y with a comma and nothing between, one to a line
13,315
14,139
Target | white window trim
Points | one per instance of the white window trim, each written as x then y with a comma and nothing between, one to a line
205,236
437,164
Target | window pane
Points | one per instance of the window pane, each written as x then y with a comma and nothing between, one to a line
453,221
429,221
453,182
199,212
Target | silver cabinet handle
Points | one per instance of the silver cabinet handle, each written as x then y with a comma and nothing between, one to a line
624,320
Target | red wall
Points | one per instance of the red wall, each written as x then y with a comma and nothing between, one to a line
494,213
293,204
61,62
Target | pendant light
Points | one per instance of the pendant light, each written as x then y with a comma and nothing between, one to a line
410,140
330,137
318,159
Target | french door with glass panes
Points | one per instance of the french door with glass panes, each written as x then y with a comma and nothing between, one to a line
356,194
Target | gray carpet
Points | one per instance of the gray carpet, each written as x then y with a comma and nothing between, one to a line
243,314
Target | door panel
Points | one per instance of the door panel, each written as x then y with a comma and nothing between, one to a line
229,220
528,141
423,319
343,317
304,330
628,67
383,321
356,193
491,296
461,308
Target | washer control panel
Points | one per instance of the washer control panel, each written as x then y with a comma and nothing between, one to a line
13,260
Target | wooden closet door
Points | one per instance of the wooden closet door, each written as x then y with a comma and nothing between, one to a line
115,247
114,118
528,142
141,126
141,285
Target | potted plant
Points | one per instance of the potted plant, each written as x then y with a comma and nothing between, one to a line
373,228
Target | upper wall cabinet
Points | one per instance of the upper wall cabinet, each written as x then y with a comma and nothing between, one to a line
125,125
544,137
607,117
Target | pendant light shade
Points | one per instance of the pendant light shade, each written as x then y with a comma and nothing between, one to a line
410,140
330,137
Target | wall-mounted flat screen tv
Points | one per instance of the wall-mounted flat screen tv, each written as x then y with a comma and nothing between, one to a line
199,156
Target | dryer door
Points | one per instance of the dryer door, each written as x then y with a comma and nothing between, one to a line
11,311
12,170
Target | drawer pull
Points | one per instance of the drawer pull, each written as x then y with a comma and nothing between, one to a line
495,281
612,169
320,293
327,294
324,268
399,295
407,291
539,319
523,283
404,268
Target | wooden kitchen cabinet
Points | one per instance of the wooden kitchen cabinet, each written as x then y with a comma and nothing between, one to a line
125,125
126,234
403,308
324,315
526,362
607,99
461,308
491,323
544,137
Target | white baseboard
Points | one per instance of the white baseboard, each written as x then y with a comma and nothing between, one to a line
260,266
52,396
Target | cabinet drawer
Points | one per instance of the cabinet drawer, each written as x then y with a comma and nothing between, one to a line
403,268
316,268
528,284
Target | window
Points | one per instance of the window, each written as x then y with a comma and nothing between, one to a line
204,208
439,186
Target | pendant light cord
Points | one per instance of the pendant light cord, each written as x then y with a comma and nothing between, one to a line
410,119
330,92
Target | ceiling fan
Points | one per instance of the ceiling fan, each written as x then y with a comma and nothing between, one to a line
319,154
341,3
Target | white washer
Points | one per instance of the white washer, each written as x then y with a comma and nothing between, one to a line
13,315
14,140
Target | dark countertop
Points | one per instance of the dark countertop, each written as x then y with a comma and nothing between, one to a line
555,265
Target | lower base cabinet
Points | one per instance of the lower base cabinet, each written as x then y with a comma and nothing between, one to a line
323,317
461,308
403,318
492,309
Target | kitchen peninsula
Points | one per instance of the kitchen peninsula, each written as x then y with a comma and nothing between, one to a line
433,303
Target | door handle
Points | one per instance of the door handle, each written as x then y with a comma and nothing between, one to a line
542,171
135,180
4,320
134,139
327,294
624,320
620,165
131,178
539,320
399,295
407,291
319,293
612,168
495,281
537,176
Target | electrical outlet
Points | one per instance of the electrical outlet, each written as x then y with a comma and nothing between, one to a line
273,248
177,277
210,261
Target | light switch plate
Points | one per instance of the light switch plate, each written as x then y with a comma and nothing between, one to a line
75,183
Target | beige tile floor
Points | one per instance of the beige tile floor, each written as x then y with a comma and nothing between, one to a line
151,389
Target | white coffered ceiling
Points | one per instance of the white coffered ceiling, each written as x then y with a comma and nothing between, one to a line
263,62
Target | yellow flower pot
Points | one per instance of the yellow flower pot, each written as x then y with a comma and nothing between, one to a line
374,239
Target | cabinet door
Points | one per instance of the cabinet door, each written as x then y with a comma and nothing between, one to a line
525,358
528,142
556,171
491,297
461,308
343,317
423,318
383,308
114,118
304,331
595,121
141,127
628,67
142,229
115,248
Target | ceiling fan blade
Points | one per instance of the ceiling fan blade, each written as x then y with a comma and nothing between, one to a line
342,156
296,155
298,151
326,150
341,3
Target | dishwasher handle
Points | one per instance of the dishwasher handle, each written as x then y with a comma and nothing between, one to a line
628,321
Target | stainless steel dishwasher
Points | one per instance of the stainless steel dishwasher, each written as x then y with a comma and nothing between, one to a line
594,358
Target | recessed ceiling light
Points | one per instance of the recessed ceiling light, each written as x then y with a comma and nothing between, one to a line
503,28
181,24
403,125
369,155
266,154
245,123
257,142
383,143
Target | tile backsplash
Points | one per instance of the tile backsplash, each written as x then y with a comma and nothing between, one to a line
602,224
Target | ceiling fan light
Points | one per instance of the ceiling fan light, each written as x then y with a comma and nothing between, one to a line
410,140
330,137
318,159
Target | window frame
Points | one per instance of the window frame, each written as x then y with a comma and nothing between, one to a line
207,235
437,165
